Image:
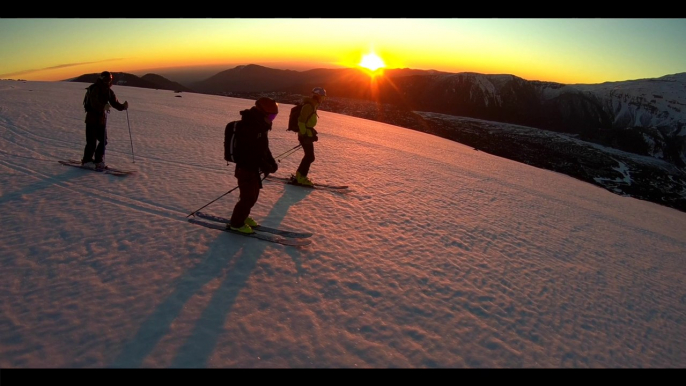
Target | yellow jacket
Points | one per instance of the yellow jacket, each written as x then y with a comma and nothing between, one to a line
308,117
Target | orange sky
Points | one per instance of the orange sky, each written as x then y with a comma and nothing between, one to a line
560,50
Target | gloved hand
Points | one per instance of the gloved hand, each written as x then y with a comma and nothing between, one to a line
126,105
303,139
315,138
269,168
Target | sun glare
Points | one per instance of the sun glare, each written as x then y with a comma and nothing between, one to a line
372,62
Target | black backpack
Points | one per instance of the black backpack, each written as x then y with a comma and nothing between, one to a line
236,136
86,100
231,140
293,117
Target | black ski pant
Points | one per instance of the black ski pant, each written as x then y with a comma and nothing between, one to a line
96,134
249,185
308,158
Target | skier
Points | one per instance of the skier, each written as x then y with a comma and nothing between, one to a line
308,135
100,98
253,158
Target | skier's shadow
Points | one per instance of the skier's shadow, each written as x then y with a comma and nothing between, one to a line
44,183
242,254
291,196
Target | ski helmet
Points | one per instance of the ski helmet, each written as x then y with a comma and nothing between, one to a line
319,91
106,76
267,105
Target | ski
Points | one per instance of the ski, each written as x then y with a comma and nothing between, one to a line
108,170
261,228
288,181
257,235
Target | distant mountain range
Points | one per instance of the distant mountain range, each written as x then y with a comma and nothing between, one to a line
645,116
639,123
146,81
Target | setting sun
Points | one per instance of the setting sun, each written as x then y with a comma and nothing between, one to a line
372,62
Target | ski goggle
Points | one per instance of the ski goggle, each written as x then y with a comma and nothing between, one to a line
271,117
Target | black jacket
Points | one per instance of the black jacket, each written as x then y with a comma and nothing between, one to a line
100,95
253,152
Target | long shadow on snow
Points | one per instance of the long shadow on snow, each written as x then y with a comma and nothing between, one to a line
201,343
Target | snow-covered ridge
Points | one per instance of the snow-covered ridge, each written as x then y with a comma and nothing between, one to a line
655,109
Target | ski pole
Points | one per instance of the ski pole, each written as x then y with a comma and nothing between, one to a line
192,213
197,210
131,138
289,151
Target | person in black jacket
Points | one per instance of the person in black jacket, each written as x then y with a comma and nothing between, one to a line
252,158
100,98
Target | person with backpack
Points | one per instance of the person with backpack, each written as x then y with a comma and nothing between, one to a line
252,157
97,101
307,135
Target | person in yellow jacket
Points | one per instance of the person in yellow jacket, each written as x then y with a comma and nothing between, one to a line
307,135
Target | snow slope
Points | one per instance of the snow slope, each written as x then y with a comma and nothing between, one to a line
440,257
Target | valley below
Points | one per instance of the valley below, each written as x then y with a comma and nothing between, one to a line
623,173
